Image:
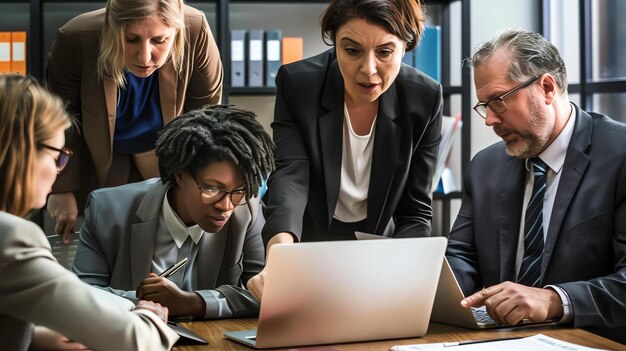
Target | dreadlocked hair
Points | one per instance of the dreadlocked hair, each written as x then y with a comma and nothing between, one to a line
212,134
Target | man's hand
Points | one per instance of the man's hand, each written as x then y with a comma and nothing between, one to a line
47,339
63,209
511,303
165,292
153,307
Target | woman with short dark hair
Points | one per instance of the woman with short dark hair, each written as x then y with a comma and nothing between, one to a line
356,132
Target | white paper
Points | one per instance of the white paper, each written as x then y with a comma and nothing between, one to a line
447,181
537,342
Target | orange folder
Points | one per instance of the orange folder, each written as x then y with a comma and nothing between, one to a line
5,52
293,49
18,51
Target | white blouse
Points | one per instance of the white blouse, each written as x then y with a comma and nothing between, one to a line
356,164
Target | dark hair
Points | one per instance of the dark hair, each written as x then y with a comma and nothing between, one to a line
212,134
402,18
531,55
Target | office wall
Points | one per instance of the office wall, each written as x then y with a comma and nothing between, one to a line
487,17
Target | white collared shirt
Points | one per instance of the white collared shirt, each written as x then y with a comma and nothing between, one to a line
174,244
554,158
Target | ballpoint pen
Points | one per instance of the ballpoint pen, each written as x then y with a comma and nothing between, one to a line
468,342
173,269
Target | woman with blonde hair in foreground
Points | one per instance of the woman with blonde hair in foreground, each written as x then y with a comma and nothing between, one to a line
34,288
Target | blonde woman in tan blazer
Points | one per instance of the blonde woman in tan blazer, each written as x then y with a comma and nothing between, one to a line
34,288
125,71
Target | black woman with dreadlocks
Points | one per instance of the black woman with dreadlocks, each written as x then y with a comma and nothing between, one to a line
205,209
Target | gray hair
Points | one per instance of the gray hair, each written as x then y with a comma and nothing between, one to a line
532,55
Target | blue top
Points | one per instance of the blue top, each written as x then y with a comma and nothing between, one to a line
138,115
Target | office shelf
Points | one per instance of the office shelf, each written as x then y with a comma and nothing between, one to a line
223,14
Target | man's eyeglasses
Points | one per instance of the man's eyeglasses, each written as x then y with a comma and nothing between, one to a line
497,104
212,194
64,156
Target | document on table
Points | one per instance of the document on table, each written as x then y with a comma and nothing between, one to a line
537,342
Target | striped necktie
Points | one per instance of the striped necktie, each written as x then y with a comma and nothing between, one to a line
530,271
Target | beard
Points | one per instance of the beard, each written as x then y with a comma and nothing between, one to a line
535,138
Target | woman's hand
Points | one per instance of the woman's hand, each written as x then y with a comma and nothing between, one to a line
153,307
256,284
165,292
62,207
48,339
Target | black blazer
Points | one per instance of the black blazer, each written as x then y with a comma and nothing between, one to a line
585,248
308,124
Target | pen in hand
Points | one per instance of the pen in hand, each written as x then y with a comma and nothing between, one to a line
174,268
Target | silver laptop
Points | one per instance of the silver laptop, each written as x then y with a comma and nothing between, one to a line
346,291
447,308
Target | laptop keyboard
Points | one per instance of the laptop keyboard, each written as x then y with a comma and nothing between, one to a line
482,317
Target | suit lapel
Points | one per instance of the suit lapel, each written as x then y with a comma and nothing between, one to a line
384,158
144,232
211,249
510,202
331,135
168,82
576,162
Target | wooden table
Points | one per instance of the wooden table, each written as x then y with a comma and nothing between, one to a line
213,331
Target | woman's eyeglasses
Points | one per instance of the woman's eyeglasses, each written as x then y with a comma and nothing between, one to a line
212,194
64,156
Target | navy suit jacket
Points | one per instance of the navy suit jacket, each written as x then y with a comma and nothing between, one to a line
308,125
585,247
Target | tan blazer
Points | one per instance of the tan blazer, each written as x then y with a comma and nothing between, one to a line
71,73
35,289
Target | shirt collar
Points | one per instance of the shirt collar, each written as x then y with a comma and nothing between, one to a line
176,227
554,154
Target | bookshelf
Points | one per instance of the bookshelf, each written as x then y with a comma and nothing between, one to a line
41,18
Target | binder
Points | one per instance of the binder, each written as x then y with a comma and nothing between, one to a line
293,48
428,53
18,52
273,57
5,52
255,58
237,58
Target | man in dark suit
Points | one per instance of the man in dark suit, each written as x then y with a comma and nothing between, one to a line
204,209
541,233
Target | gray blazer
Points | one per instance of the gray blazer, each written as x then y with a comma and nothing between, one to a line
35,289
585,249
117,243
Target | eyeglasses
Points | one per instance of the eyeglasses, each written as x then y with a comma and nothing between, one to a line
64,156
497,104
212,194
